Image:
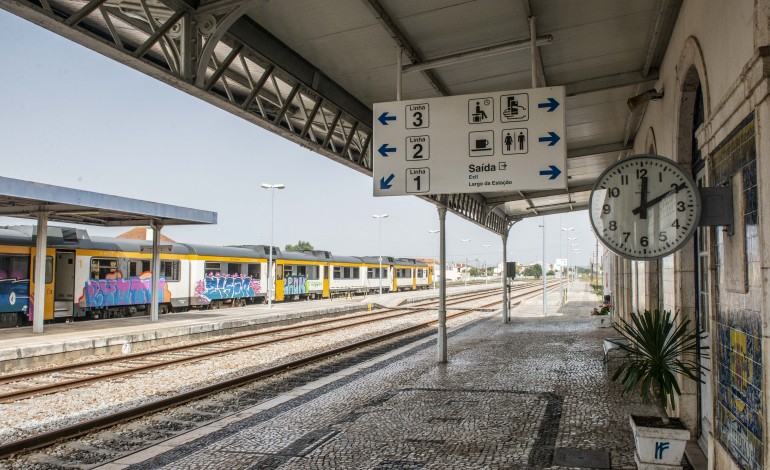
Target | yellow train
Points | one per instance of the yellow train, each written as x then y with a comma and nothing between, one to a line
103,277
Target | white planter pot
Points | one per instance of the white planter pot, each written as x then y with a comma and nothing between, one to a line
603,321
659,448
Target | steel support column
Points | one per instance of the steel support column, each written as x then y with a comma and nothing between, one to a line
156,228
442,355
37,303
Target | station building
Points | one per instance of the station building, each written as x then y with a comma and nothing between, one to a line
714,117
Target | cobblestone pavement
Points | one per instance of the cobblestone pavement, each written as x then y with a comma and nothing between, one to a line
509,396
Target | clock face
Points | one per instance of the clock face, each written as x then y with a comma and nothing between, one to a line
645,207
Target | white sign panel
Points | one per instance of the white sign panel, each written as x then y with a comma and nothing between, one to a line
487,142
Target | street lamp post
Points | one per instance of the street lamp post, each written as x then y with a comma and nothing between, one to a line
433,254
271,279
574,248
545,291
467,271
561,268
569,239
486,280
380,217
575,251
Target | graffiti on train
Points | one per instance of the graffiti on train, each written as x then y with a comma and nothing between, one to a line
136,290
295,285
14,295
226,286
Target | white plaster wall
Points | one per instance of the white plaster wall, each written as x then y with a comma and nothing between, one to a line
724,31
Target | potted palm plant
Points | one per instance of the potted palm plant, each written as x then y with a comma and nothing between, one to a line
657,349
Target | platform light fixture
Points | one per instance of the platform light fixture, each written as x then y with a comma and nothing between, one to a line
270,270
380,217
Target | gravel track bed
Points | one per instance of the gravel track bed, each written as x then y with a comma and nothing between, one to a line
41,414
106,445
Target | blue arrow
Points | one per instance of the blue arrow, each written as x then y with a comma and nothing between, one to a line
384,118
551,105
552,138
554,172
385,183
384,150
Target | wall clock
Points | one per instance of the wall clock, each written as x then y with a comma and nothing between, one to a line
645,207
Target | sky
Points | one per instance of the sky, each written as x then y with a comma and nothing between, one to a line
71,117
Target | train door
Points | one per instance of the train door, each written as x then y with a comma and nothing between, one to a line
414,278
49,281
326,290
64,284
278,282
394,277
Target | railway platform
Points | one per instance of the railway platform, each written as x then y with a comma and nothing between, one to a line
20,347
530,394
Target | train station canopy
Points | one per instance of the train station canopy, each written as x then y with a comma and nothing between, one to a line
25,199
310,70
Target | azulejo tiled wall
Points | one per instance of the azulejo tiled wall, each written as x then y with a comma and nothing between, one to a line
738,327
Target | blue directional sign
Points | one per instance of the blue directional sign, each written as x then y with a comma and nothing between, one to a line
384,118
503,141
553,172
552,139
385,150
550,103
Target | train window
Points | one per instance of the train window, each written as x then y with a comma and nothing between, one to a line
356,273
170,270
105,268
254,270
346,273
212,268
311,272
234,269
14,267
138,266
326,272
279,272
370,273
419,273
288,270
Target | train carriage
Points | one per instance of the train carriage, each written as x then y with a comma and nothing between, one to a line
108,277
371,278
15,266
346,275
102,277
227,275
302,275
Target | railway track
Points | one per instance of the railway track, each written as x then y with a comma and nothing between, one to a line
55,379
79,429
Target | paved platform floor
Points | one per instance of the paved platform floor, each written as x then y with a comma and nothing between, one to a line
510,396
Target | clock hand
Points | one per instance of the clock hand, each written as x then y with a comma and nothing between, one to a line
656,200
643,200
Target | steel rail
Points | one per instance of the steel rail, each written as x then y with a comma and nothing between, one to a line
9,378
76,430
9,397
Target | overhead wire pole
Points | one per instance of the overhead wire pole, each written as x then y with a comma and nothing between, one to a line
379,217
271,280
